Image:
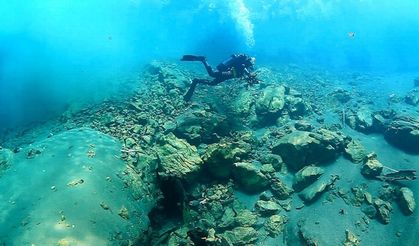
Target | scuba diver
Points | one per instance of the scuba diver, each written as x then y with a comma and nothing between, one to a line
237,66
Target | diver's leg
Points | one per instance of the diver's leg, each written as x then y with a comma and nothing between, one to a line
188,95
209,69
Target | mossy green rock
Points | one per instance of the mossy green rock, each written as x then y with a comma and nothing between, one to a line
199,126
383,210
266,208
313,192
178,158
306,176
271,101
403,132
275,225
248,177
219,158
300,148
355,152
407,200
242,217
280,190
372,168
241,236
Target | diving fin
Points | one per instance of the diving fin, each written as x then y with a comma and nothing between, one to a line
187,97
192,58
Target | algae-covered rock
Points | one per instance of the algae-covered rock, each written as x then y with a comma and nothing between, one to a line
407,200
383,210
6,157
306,176
313,192
241,236
199,126
372,167
219,158
280,190
274,160
355,152
275,225
270,103
177,158
360,119
267,208
299,148
403,132
351,239
296,106
241,217
249,177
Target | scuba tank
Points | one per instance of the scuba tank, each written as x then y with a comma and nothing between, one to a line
233,61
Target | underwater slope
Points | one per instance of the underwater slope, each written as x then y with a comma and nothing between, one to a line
68,190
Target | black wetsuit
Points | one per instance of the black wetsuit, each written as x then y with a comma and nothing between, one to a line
237,66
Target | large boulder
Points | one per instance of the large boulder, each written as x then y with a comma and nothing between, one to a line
249,177
360,119
355,152
300,148
241,236
178,159
313,192
270,103
407,200
199,126
306,176
403,132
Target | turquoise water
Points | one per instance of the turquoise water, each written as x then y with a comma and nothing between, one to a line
100,84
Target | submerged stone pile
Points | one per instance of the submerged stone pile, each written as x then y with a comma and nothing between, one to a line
267,140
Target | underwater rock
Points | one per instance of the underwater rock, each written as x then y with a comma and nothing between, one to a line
178,159
299,148
169,75
280,190
360,119
351,239
383,210
243,106
233,219
129,142
274,160
267,208
370,211
275,225
372,167
412,97
303,125
341,95
313,192
355,152
241,236
407,200
248,177
220,157
199,126
306,176
403,132
296,107
6,157
270,103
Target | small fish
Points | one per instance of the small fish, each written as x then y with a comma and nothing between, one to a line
351,34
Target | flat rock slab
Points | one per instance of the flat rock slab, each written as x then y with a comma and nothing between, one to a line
69,194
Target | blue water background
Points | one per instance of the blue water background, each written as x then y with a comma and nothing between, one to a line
56,53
